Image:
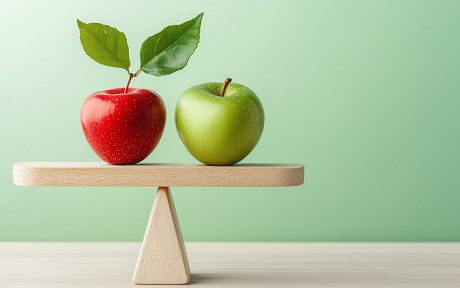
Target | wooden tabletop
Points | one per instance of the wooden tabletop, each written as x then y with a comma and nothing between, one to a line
165,175
312,265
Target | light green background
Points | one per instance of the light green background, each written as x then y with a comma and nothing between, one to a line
366,94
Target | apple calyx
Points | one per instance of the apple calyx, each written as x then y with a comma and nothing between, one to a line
226,82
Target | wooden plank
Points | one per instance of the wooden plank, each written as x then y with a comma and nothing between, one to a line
161,175
313,265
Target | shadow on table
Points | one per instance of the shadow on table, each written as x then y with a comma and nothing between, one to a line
320,278
248,279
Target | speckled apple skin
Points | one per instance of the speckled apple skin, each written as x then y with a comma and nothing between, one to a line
123,128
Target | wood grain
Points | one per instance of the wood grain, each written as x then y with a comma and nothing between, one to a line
162,258
161,175
313,265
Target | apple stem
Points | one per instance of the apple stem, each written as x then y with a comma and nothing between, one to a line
131,76
226,82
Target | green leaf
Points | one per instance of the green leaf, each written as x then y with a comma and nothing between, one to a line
168,51
104,44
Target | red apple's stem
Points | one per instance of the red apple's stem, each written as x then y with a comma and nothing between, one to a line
131,76
226,82
137,72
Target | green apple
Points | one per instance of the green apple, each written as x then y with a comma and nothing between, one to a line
219,123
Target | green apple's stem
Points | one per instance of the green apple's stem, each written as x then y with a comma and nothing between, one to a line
226,82
131,76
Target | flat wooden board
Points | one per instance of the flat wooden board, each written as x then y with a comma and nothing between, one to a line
312,265
166,175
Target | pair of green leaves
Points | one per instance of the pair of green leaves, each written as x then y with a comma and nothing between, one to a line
161,54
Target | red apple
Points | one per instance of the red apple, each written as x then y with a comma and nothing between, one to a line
123,128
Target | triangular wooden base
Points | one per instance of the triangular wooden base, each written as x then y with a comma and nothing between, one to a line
162,259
